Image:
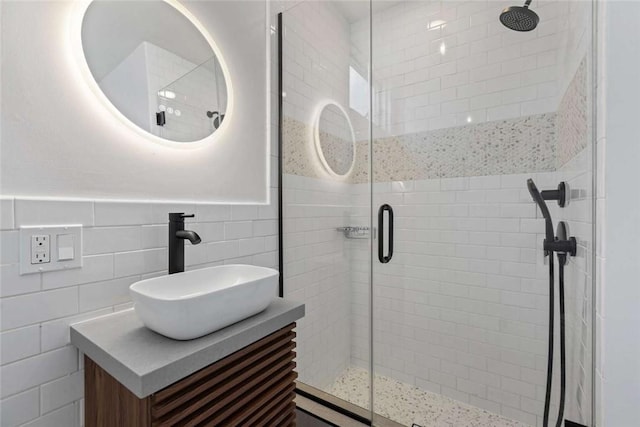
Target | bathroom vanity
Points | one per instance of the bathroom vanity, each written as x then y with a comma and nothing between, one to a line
240,375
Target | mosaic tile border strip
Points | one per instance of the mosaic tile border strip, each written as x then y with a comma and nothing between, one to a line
525,144
338,153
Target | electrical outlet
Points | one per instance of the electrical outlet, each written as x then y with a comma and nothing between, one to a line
40,248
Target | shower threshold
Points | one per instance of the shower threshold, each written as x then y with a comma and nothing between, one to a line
409,405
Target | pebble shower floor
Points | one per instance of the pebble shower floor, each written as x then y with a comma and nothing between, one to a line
408,404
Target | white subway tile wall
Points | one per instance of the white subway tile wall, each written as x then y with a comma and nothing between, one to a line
439,64
579,276
42,375
317,260
317,56
462,309
317,272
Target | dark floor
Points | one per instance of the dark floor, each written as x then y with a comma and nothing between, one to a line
304,419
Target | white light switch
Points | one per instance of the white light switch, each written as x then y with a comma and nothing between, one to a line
66,250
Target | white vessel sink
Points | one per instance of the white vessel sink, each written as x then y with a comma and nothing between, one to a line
188,305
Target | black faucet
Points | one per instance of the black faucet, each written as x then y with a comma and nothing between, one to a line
177,235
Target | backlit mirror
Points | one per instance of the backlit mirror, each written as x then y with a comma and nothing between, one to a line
156,67
335,140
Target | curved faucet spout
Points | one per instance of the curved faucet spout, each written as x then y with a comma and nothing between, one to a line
177,236
191,236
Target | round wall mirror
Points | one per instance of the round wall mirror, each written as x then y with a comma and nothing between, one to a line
158,70
335,139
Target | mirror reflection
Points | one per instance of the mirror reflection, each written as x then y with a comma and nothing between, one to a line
155,67
335,140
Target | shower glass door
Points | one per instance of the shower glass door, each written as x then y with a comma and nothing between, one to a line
326,198
408,132
464,111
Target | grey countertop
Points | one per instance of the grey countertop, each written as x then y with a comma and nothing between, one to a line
146,362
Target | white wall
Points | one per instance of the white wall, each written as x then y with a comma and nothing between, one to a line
89,152
619,298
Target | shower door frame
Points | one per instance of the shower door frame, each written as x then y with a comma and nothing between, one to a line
338,405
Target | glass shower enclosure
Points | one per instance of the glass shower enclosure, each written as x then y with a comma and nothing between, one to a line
412,236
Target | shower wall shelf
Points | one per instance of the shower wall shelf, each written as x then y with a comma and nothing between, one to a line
354,232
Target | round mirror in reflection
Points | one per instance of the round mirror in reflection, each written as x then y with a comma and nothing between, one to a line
156,68
335,140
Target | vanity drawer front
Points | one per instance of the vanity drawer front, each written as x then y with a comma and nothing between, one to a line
254,386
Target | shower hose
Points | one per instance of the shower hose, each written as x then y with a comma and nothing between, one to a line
562,259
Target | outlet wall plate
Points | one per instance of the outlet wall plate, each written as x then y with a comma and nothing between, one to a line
51,233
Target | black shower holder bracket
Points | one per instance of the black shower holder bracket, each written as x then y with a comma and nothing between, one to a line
560,194
562,243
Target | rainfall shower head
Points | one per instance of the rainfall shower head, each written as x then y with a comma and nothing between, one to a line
519,18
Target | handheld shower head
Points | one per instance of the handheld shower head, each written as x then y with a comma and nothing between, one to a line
537,197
